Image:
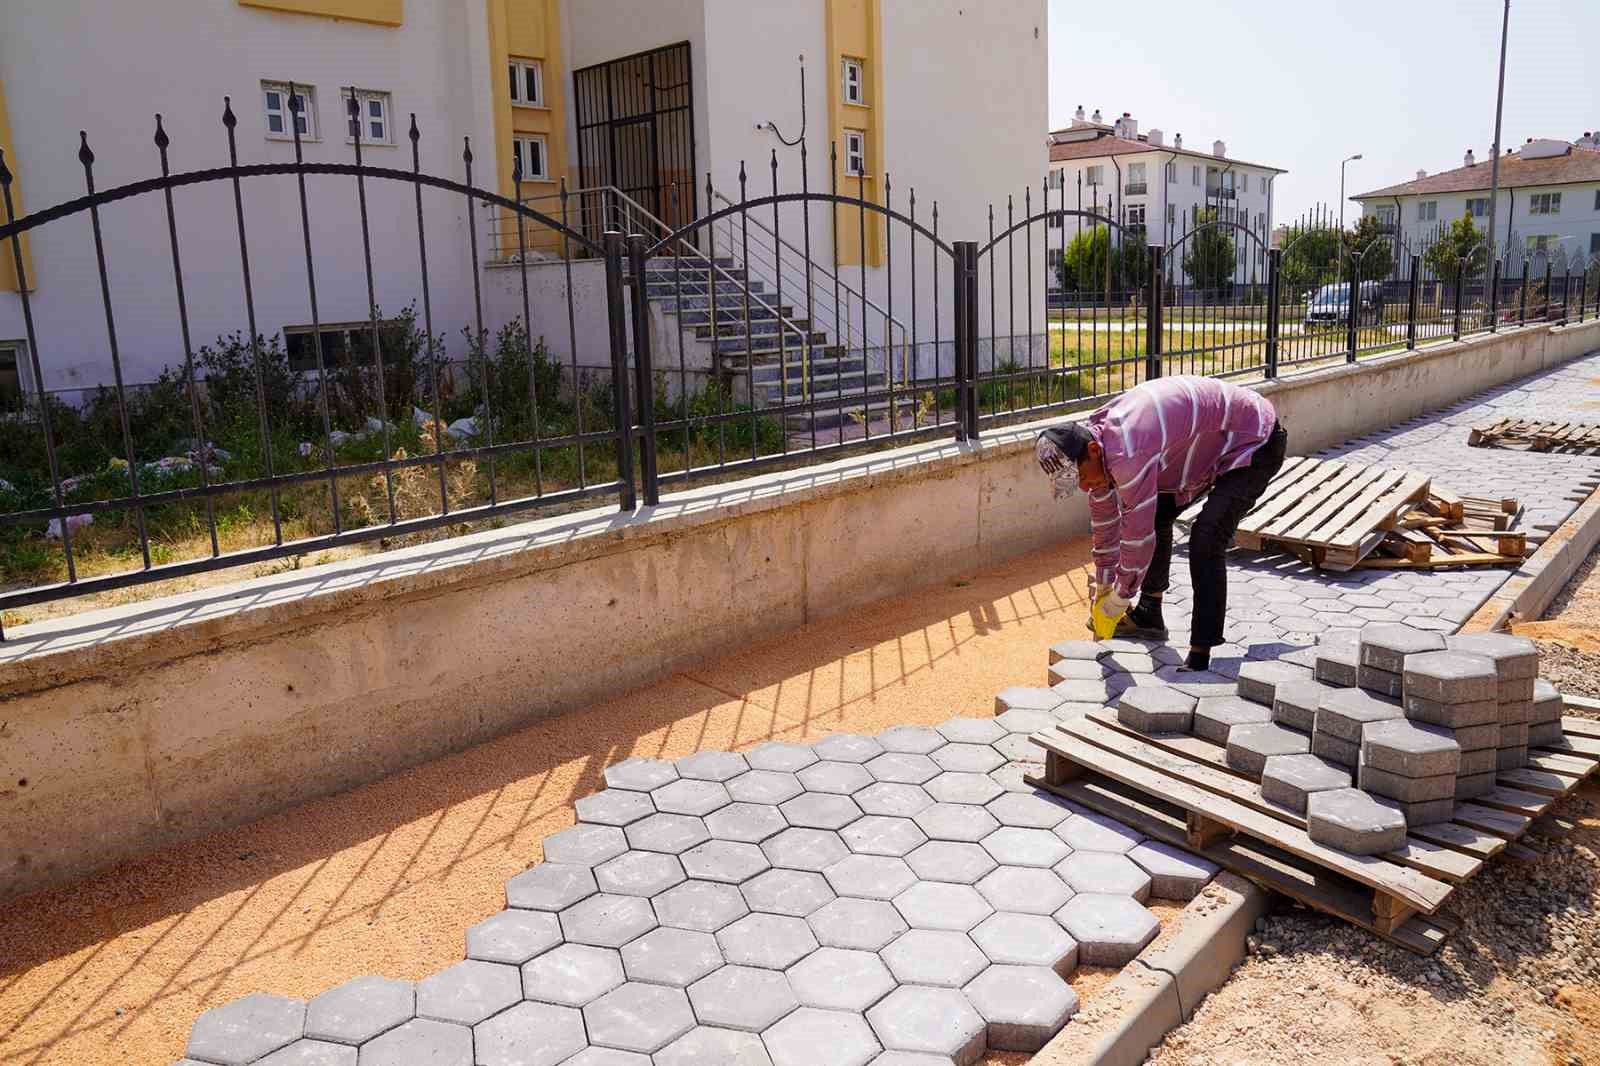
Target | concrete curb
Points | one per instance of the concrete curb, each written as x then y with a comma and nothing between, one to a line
1165,985
1542,575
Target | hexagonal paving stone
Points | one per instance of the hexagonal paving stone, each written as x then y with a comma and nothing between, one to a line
550,886
1215,716
1259,681
1026,940
614,806
869,876
1131,662
572,974
1025,890
1174,873
1099,871
1096,832
742,997
957,821
640,774
1513,657
1031,810
705,1046
958,862
764,786
771,941
1082,650
701,905
1015,846
419,1040
931,905
513,936
468,992
1075,691
820,810
968,758
308,1053
1019,747
247,1029
712,765
841,778
916,739
639,873
838,979
793,892
687,796
944,957
805,849
812,1037
936,1021
1029,720
898,800
530,1034
1024,1006
1295,704
671,833
962,730
1110,930
606,920
1289,780
878,834
748,822
724,860
676,957
781,756
864,924
608,1056
360,1009
1077,670
847,747
1250,746
1344,713
1410,749
1451,677
639,1017
1386,646
903,768
585,845
1156,709
1351,820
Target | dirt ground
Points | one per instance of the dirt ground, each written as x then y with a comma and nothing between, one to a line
1568,634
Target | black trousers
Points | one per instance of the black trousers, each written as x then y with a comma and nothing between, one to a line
1229,501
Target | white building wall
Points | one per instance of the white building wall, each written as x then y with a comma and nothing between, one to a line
1576,229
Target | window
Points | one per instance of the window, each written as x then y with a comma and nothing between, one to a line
1544,203
1594,242
1056,179
1478,207
278,103
1093,175
1172,173
854,73
13,375
1056,219
527,82
1542,243
300,345
530,153
1597,199
1386,214
855,153
1246,179
1428,211
1194,177
1136,218
1227,183
1172,213
1136,182
371,119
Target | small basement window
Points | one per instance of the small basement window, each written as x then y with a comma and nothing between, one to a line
527,82
278,103
855,153
855,81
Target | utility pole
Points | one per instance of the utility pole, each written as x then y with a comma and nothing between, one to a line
1341,183
1499,105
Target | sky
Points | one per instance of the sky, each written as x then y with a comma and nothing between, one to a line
1409,84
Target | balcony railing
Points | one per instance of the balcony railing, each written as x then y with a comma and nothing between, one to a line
1134,188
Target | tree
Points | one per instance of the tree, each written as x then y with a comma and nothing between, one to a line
1376,249
1209,259
1083,265
1310,260
1460,240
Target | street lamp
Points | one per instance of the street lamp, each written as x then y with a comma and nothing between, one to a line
1341,188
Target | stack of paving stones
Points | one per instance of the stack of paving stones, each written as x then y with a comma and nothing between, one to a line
1544,728
1456,691
896,899
1516,662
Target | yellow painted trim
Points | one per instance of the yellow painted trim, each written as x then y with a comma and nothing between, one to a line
376,12
528,29
8,267
855,31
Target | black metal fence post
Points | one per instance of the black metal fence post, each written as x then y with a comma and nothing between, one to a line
644,368
1548,277
1274,309
1566,287
1461,283
622,415
1494,298
966,331
1522,312
1413,300
1352,310
1152,320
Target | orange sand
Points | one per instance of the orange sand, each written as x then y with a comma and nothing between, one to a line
386,879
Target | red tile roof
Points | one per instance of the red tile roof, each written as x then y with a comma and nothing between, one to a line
1580,164
1114,145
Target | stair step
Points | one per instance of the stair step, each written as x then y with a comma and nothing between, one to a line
699,295
822,370
733,314
757,327
830,417
792,346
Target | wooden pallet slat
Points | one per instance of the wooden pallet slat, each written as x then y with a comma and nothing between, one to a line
1534,435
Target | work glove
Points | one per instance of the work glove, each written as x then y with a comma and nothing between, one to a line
1105,612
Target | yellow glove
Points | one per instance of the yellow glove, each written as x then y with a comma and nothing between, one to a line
1105,613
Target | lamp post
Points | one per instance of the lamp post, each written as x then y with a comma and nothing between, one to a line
1499,105
1341,188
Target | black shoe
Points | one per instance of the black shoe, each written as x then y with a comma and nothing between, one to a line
1130,628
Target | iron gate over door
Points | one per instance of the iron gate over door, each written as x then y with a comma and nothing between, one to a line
636,130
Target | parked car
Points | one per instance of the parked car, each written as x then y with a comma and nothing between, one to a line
1330,305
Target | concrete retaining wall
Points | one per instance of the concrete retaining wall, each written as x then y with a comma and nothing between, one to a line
131,728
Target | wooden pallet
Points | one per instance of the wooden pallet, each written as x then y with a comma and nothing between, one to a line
1537,436
1179,789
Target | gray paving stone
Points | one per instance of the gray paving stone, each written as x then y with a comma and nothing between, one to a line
639,1017
640,774
1294,703
963,730
934,905
1075,670
420,1042
1027,720
1132,662
728,861
771,941
1199,683
468,992
670,833
878,834
841,778
968,758
1451,677
764,786
1381,682
360,1009
750,823
812,1037
1410,749
702,905
780,756
311,1053
705,1046
1110,930
530,1034
676,957
1027,890
946,958
957,821
952,787
1289,780
1259,681
1346,713
605,921
958,862
1250,746
1156,709
1034,810
1406,789
712,765
585,845
1338,664
1081,650
1073,690
689,796
572,975
1514,757
820,810
1026,940
1013,776
247,1029
1016,846
840,979
1351,820
1342,752
863,924
848,747
614,806
903,768
1544,734
550,886
746,998
1515,712
890,798
1019,747
513,936
1103,872
869,876
1426,812
1096,832
1025,700
805,849
1215,716
793,892
1023,1006
912,739
1386,646
1174,873
938,1021
1481,760
639,873
1513,656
